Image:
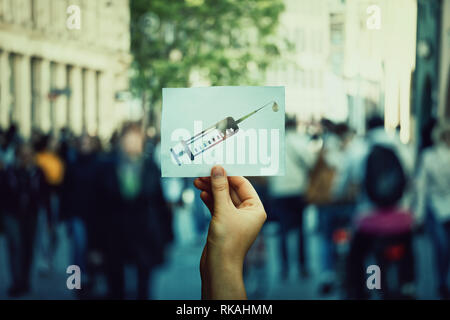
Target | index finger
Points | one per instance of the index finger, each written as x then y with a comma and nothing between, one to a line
243,188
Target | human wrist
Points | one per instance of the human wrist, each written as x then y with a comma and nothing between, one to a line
226,257
218,262
226,282
232,267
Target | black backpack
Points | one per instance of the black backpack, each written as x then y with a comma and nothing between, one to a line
385,178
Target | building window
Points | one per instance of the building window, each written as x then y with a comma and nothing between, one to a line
319,42
97,100
84,99
12,87
301,78
33,13
34,92
68,86
52,87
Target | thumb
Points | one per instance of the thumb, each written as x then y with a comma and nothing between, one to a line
219,186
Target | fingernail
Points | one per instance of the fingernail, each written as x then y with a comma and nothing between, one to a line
217,171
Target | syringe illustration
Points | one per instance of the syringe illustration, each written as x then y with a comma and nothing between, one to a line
186,150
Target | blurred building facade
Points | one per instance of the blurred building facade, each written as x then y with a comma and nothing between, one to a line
379,57
54,76
302,70
431,96
345,69
444,81
426,74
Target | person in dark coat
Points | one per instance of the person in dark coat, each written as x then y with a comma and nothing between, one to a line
77,200
25,191
131,214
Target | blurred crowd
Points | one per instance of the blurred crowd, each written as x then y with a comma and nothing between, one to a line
110,201
372,194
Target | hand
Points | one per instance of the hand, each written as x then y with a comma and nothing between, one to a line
237,217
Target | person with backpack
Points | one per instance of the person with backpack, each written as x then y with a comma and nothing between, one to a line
334,209
381,217
352,174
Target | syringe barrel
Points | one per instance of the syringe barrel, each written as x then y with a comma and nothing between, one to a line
186,150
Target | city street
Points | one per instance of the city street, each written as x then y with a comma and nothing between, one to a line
179,277
338,112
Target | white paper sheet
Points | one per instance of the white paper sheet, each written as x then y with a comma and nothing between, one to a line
240,128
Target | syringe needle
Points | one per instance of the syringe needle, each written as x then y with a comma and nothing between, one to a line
255,111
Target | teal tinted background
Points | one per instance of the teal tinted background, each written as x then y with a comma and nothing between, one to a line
183,106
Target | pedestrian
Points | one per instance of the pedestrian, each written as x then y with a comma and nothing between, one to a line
77,202
333,206
132,212
385,230
287,194
25,192
433,190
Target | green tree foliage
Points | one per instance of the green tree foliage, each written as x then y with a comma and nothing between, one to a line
223,42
